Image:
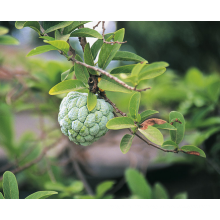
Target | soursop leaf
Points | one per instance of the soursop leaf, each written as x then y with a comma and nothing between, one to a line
108,84
91,101
81,72
126,143
67,86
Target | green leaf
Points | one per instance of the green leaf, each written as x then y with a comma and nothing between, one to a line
152,70
98,44
47,38
108,51
88,58
153,134
102,188
8,40
59,44
133,78
59,36
193,150
91,101
108,84
41,195
165,126
73,26
3,30
126,142
171,145
67,86
1,196
128,56
159,192
146,114
10,186
86,32
81,71
134,104
32,24
123,69
58,26
120,123
41,49
138,184
65,74
177,136
183,195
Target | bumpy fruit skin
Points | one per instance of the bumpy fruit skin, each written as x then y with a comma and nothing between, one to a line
82,126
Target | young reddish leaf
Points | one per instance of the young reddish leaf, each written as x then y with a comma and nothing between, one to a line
151,122
177,135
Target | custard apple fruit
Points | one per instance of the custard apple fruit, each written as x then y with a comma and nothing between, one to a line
82,126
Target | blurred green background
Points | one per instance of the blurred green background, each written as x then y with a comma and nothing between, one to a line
191,85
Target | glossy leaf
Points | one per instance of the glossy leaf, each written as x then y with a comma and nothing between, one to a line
108,84
128,56
152,70
81,71
193,150
103,187
134,104
1,196
65,74
153,134
41,195
146,114
91,101
32,24
58,26
67,86
126,143
120,123
60,44
166,126
47,38
41,49
73,26
170,145
159,192
3,30
88,58
59,36
123,69
10,186
8,40
177,135
108,51
86,32
137,184
98,44
137,69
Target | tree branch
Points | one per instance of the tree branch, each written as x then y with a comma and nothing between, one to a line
110,76
96,25
38,159
100,70
103,36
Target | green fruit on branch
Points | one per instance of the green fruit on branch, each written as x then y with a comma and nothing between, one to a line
82,126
